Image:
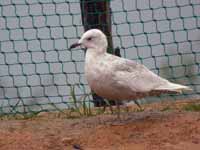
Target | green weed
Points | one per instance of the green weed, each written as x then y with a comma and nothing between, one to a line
192,107
166,108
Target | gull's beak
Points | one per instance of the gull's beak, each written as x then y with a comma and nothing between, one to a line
75,45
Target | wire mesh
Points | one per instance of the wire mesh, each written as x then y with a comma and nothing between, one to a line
37,69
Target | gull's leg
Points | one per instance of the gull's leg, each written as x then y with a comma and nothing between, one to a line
118,121
111,109
138,104
104,108
109,105
118,111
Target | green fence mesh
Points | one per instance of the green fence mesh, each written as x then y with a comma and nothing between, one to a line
37,69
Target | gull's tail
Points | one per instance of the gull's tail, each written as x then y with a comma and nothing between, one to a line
173,87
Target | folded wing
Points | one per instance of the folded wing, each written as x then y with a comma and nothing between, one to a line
141,79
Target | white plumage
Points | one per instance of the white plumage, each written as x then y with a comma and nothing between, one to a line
118,78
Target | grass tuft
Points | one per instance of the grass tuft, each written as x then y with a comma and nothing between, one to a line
166,108
192,107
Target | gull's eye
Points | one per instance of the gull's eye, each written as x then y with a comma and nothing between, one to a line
89,39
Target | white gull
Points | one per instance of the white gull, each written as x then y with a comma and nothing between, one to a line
116,78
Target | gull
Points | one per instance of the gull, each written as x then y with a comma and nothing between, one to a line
117,78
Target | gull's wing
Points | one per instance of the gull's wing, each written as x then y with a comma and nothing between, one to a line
139,78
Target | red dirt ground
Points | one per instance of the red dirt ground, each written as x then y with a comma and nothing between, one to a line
147,130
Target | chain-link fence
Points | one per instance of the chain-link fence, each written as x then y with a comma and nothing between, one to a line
37,70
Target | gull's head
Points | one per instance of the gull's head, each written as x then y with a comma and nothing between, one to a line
93,39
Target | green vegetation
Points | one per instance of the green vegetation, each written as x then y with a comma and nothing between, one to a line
192,107
166,108
79,105
21,116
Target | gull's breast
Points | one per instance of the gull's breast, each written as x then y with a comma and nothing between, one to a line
99,77
96,74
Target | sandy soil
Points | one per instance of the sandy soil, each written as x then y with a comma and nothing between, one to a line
150,129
